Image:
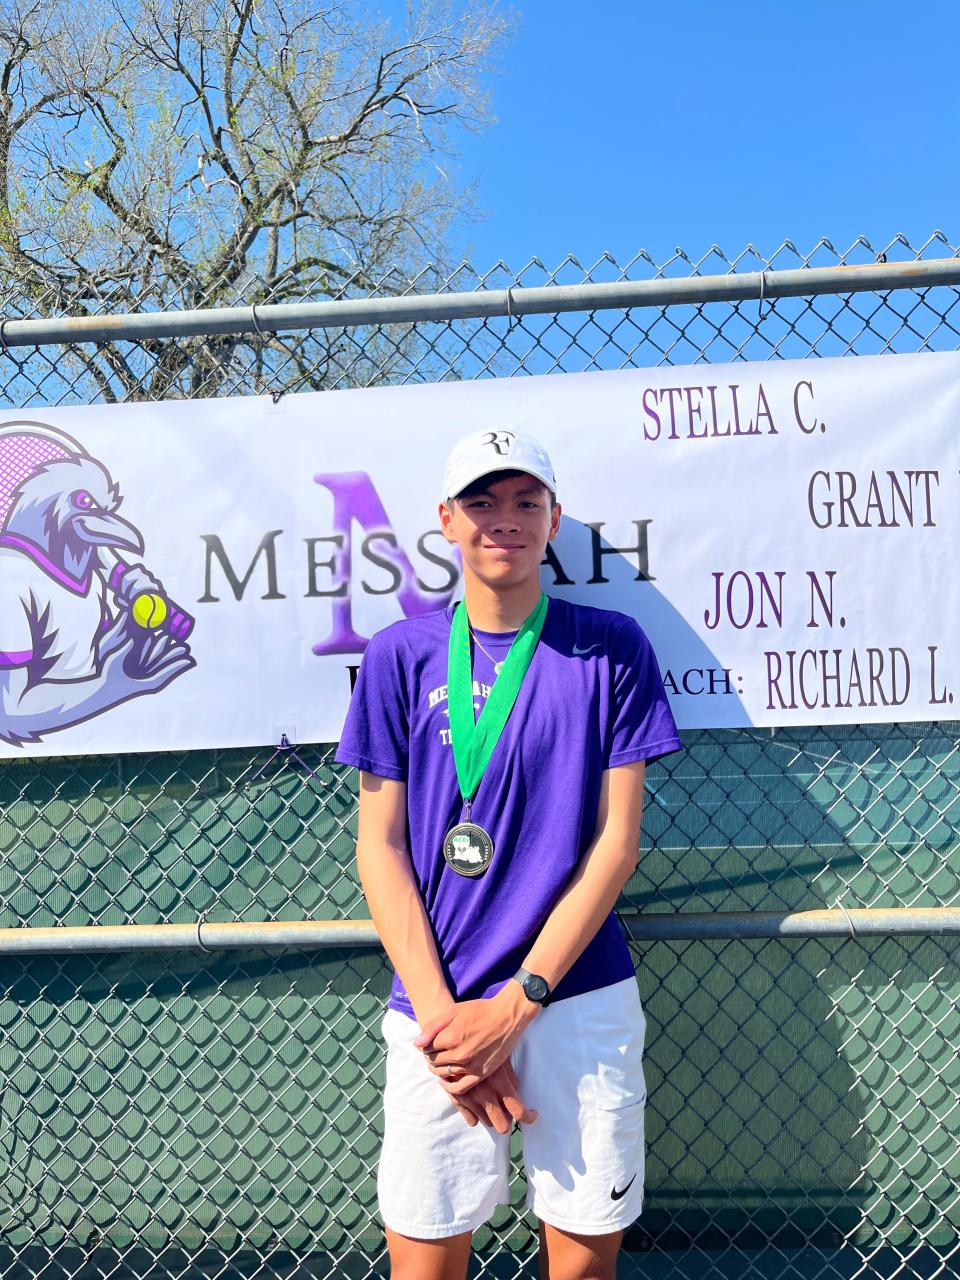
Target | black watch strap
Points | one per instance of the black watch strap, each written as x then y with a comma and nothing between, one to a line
534,987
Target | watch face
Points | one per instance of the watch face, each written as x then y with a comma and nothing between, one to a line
535,988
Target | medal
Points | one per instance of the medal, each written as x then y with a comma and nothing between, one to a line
467,848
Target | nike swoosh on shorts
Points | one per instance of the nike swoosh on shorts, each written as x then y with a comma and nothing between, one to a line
618,1195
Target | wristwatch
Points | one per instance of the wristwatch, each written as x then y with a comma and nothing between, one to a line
534,987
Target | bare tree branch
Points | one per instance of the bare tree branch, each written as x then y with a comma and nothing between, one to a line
169,153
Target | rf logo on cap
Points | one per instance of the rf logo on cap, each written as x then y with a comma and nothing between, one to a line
499,440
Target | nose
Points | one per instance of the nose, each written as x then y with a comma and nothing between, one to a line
506,523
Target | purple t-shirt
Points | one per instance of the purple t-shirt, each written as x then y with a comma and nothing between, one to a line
591,699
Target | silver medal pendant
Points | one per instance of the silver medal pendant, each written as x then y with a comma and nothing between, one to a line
468,849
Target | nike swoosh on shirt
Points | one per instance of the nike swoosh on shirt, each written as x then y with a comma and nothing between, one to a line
618,1195
578,652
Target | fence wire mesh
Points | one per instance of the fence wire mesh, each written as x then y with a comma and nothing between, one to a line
191,1115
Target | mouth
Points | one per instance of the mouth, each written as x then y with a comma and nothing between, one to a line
505,546
102,529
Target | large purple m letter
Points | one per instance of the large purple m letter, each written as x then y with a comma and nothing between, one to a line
356,499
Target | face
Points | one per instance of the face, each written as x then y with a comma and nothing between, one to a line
502,530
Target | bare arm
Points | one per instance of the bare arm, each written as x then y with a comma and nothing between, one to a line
383,863
481,1034
593,891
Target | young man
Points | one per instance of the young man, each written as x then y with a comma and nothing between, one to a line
502,745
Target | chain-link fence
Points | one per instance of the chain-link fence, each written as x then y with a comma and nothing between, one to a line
183,1114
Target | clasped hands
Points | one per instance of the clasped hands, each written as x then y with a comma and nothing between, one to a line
468,1047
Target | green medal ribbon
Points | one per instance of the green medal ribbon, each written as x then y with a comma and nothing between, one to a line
474,741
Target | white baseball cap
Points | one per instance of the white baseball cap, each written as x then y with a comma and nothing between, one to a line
482,452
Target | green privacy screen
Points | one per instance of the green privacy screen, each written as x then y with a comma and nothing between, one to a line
160,1106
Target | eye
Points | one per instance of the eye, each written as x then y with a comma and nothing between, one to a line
83,500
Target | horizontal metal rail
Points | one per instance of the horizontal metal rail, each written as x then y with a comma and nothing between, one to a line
209,936
484,303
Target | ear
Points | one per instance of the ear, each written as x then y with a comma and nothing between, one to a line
446,522
554,522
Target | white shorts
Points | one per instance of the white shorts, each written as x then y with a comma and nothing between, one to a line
580,1066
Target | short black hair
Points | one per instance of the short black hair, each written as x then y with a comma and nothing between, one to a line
483,483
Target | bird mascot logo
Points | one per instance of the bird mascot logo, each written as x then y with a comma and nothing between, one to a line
81,628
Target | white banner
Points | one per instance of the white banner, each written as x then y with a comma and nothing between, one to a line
207,573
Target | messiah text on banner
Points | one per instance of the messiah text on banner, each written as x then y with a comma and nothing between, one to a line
208,573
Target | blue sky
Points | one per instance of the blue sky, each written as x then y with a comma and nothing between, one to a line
632,125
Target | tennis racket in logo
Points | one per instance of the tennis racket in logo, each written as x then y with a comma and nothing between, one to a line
25,448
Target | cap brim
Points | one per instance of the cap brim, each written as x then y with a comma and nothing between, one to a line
506,465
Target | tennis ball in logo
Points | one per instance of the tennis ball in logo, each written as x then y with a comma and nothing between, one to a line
149,610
